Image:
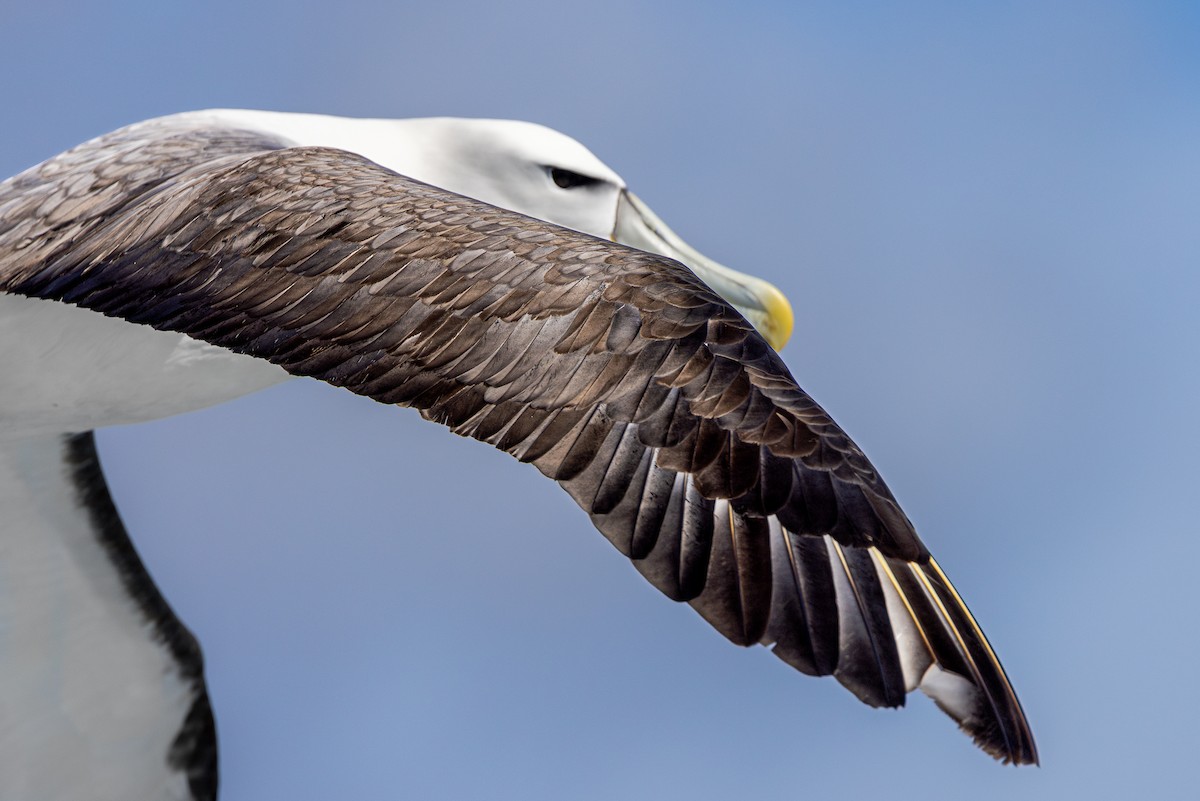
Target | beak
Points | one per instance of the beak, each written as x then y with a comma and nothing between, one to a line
758,301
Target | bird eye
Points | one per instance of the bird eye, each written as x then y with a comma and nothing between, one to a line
565,179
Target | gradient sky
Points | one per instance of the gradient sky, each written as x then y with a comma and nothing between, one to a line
986,218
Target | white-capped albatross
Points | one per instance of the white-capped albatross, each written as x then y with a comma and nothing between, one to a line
262,245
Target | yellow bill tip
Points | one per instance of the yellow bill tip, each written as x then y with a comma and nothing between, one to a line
777,326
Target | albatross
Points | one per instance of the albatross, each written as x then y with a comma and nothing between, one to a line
502,280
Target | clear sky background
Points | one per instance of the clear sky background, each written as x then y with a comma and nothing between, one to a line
985,215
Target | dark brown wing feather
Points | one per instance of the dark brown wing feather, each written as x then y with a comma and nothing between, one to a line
615,372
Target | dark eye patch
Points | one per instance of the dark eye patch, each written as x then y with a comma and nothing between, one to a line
566,179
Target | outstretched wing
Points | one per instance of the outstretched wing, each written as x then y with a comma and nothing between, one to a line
615,372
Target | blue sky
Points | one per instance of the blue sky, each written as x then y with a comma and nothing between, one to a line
985,216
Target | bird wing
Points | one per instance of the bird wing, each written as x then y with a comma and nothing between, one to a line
615,372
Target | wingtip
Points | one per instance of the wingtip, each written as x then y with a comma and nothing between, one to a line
984,705
969,706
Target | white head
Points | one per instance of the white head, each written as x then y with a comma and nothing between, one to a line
515,165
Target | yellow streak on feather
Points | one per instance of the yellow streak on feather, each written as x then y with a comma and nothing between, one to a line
887,571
